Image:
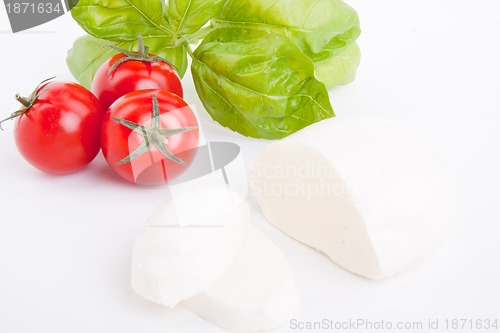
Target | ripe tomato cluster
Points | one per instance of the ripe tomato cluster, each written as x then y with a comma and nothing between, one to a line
134,113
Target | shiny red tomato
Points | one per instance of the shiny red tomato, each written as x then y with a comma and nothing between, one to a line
57,129
129,71
149,136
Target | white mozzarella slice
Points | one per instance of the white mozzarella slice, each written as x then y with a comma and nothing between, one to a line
257,293
188,244
363,190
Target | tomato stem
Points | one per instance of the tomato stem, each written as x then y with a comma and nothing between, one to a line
141,47
24,101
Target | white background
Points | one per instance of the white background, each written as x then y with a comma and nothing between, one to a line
65,242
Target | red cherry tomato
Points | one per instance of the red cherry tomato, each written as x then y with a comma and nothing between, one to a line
149,136
129,71
57,130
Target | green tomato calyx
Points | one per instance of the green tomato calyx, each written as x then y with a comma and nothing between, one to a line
27,103
154,136
141,55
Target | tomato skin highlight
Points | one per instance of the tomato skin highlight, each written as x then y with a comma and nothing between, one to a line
59,134
118,141
131,76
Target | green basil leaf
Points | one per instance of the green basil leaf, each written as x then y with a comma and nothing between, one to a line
122,20
336,44
188,16
311,24
340,67
258,83
88,53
